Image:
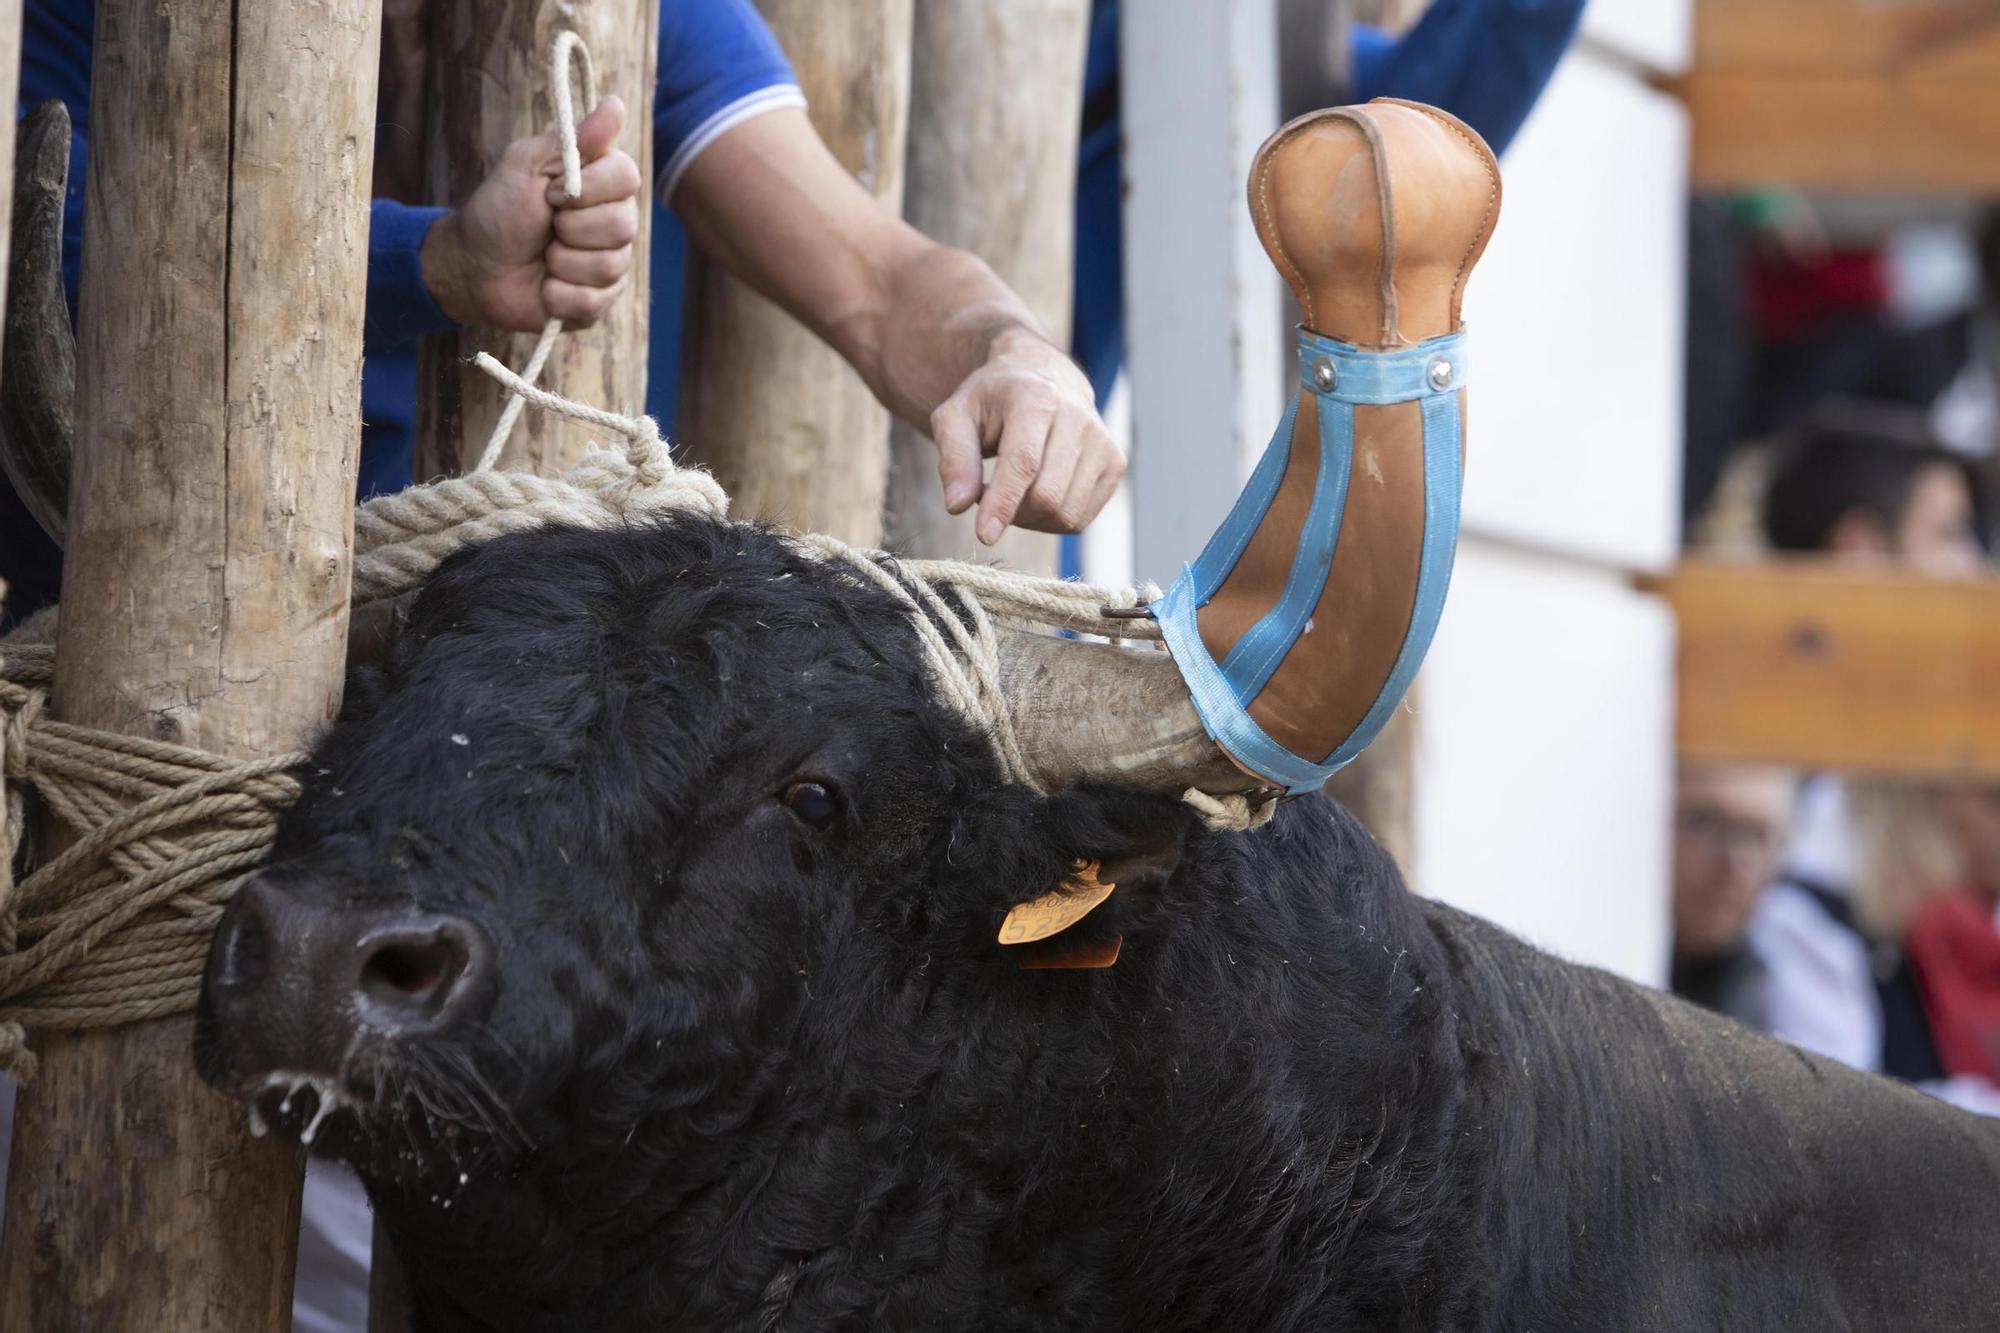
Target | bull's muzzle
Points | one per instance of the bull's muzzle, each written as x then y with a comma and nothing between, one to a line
298,986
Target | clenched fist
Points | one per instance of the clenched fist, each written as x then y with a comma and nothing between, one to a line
520,253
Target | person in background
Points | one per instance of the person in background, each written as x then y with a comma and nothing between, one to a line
1788,309
1867,485
1730,824
1954,942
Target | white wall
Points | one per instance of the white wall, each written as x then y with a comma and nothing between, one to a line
1576,316
1545,708
1544,757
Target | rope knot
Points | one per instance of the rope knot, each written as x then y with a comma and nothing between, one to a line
652,462
19,719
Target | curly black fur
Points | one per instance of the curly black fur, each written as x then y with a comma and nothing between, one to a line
748,1072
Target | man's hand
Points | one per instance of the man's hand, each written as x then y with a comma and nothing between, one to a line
519,253
1032,410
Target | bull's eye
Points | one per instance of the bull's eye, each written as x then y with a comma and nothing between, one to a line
814,802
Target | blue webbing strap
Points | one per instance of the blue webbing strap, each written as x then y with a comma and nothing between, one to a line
1222,692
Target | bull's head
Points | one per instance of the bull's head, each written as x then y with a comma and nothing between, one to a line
624,842
635,827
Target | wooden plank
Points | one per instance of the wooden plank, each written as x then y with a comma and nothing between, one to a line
789,428
1804,664
489,85
205,592
1852,37
1844,95
996,98
1843,134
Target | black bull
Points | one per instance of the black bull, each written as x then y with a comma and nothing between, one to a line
636,930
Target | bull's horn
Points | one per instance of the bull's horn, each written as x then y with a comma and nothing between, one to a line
38,370
1089,711
1298,629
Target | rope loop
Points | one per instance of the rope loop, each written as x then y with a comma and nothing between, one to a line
567,48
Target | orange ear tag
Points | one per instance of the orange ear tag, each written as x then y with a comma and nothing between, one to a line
1057,910
1066,955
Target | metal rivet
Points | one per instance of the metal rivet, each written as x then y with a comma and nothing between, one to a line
1324,375
1440,375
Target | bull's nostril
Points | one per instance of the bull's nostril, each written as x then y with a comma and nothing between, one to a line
414,977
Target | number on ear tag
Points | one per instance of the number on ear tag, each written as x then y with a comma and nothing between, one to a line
1057,910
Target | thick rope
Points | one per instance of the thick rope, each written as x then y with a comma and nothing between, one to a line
567,46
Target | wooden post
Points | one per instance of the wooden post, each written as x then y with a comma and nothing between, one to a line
205,594
488,86
996,93
787,426
487,83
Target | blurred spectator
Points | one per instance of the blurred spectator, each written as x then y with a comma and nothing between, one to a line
1967,414
1954,943
1868,485
1730,823
1785,313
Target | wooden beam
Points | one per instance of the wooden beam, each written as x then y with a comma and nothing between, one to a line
996,100
1843,134
1846,95
488,85
1864,38
205,591
1815,666
788,427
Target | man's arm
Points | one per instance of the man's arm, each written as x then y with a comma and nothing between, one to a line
943,343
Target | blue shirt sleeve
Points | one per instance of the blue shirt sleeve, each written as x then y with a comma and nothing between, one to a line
400,308
719,65
1485,61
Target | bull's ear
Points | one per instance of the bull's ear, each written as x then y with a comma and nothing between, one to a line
1135,837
